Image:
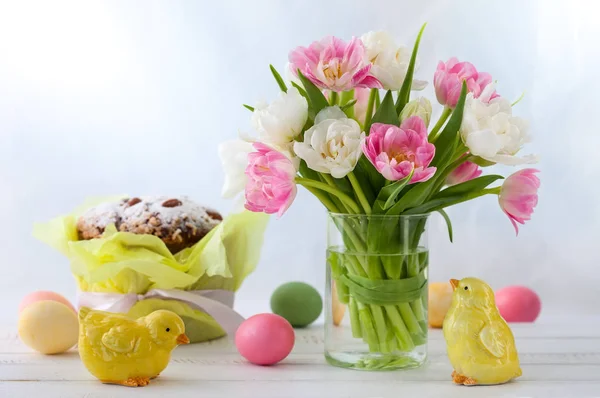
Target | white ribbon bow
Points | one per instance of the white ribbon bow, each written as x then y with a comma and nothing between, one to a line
216,303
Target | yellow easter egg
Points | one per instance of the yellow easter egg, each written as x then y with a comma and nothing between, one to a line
440,298
48,327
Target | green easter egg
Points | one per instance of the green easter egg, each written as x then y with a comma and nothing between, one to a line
298,302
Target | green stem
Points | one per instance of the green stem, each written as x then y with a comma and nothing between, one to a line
410,319
354,318
369,328
333,98
334,191
380,327
402,334
444,116
370,104
413,270
339,204
358,268
346,97
359,193
324,199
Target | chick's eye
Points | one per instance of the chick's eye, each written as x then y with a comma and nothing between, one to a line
168,329
466,288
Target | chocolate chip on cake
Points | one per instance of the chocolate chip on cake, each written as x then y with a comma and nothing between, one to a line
178,222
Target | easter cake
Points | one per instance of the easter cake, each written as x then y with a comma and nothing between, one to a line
177,221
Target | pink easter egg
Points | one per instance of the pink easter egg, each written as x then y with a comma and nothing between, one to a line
44,295
265,339
518,304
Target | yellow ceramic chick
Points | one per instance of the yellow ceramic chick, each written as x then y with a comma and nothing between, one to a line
481,346
120,350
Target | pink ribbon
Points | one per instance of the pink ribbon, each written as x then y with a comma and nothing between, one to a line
216,303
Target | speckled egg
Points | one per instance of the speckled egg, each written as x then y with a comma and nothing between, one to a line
518,304
41,295
48,327
265,339
298,302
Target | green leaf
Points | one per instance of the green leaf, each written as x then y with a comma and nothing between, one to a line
436,204
368,176
348,105
386,113
300,90
448,138
388,194
404,94
315,97
278,78
251,109
311,112
476,184
481,161
307,172
457,194
417,194
448,223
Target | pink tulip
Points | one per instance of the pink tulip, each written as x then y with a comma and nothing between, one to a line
518,196
334,64
270,187
397,151
361,95
448,80
463,173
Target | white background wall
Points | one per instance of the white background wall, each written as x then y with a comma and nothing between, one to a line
133,97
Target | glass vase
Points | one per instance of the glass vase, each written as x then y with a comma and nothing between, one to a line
376,293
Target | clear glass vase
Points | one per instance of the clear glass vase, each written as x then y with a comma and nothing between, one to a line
376,294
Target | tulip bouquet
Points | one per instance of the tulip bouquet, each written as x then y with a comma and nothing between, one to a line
346,129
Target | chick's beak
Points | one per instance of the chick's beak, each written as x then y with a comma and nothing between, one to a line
454,283
183,339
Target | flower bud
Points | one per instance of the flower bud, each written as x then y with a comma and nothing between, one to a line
420,107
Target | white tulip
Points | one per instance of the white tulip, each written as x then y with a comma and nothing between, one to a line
491,132
332,145
389,61
279,122
234,158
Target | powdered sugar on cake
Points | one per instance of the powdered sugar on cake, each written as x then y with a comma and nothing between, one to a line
153,206
105,214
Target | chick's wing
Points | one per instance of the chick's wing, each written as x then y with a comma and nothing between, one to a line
120,339
493,341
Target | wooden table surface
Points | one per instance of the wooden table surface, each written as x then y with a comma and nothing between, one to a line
561,360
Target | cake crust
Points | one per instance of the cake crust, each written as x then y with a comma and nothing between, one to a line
177,221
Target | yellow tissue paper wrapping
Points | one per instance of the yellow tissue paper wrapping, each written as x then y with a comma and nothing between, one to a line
122,262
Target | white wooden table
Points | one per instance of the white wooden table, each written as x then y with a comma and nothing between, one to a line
557,361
